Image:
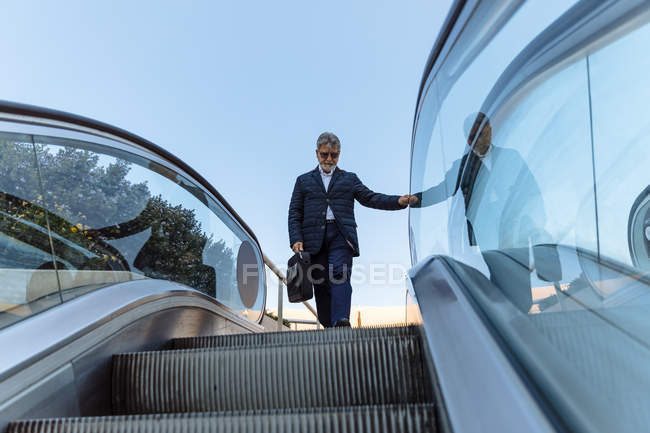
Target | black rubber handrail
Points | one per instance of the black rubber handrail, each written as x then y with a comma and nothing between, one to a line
62,116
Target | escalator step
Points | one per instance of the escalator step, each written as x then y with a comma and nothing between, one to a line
394,419
295,337
366,372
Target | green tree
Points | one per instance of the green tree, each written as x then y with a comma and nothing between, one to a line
88,205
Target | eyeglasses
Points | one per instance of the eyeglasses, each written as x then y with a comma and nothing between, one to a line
325,155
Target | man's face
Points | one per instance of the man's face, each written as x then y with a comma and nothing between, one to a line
484,138
328,157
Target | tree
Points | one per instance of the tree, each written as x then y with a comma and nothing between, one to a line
87,205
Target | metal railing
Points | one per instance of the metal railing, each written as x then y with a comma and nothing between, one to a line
282,281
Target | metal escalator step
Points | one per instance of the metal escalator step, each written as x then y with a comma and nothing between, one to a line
295,337
370,419
366,372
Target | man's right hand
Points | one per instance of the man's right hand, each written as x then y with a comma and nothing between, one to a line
297,247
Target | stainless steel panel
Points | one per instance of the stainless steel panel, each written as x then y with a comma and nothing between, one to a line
481,390
82,334
43,399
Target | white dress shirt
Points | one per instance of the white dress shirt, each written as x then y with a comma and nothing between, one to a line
327,177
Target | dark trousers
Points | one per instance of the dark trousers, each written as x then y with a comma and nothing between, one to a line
331,276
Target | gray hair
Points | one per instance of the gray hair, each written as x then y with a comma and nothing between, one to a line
328,139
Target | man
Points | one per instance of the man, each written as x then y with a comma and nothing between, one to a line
321,222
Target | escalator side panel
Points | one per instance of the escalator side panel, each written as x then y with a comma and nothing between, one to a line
475,377
72,376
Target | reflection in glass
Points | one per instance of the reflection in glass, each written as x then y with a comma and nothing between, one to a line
26,261
502,221
86,215
548,202
140,218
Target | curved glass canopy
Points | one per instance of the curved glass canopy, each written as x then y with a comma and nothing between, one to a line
81,209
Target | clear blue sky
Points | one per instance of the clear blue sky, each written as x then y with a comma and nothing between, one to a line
240,91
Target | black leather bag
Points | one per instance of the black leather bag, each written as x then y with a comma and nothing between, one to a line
299,286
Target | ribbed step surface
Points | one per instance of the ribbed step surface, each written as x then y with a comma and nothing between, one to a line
389,419
365,372
331,335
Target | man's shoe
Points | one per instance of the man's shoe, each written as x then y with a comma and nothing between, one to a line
343,323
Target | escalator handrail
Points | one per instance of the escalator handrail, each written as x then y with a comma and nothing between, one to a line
42,334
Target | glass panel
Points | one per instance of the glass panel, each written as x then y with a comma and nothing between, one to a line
119,217
462,94
620,94
29,282
550,132
621,125
549,213
538,189
428,175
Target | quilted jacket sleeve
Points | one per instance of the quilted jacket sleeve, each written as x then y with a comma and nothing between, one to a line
296,214
372,199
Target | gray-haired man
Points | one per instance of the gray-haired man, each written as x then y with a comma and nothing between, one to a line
321,222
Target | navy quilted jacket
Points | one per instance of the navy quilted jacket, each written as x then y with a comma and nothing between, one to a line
309,205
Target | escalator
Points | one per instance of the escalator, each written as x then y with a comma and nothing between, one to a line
125,307
118,262
344,380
